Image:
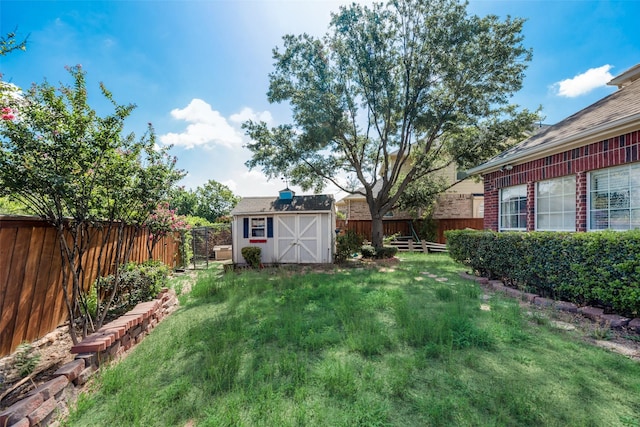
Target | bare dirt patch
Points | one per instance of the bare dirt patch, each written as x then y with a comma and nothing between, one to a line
52,351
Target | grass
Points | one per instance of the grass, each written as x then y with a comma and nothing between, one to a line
360,347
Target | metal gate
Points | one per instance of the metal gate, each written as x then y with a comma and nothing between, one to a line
200,247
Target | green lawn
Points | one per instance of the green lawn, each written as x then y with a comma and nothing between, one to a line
365,346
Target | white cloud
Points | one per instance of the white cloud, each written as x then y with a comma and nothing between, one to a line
248,114
252,183
584,83
207,128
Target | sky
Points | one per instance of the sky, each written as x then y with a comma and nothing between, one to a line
197,69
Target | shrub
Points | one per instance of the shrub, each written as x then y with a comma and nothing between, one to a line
347,244
427,229
368,251
252,255
386,240
599,268
138,283
386,252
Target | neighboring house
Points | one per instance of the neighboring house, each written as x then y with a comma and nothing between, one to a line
580,174
288,228
463,200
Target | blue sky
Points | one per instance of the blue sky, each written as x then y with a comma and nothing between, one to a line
197,69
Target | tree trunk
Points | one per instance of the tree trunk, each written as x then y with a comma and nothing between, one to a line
377,231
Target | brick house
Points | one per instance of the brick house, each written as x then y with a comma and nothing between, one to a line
580,174
463,200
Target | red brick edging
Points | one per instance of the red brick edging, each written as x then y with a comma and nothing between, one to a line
593,313
110,341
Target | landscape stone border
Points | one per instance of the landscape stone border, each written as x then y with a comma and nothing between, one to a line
41,406
594,313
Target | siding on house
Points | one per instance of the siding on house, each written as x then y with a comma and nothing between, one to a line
459,206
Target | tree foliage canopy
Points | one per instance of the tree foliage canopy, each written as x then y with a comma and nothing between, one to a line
210,201
391,95
61,159
77,169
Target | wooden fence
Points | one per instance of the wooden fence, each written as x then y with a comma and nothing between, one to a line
31,296
403,228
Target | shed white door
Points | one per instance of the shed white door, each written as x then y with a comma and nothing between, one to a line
298,238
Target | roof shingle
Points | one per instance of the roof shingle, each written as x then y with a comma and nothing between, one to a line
257,205
614,110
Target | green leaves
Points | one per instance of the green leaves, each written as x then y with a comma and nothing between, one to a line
63,160
601,268
9,43
212,201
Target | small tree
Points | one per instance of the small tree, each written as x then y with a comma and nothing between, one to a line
161,222
390,96
77,170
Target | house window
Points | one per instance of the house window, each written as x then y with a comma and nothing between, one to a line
258,227
614,198
556,204
513,208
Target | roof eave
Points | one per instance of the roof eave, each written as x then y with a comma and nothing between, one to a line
629,76
595,134
279,212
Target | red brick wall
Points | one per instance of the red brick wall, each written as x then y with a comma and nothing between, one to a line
581,201
610,152
531,206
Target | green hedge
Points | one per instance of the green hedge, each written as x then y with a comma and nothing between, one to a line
596,268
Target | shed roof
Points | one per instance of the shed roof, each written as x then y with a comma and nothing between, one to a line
272,205
614,114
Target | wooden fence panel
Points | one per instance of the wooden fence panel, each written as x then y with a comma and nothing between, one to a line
17,270
363,227
7,292
458,224
32,302
33,251
43,283
402,227
49,313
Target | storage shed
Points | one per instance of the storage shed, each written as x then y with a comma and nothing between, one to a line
289,229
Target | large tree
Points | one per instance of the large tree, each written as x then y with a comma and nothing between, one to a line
389,96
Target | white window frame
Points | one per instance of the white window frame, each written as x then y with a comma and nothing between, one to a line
501,207
258,229
633,205
563,212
